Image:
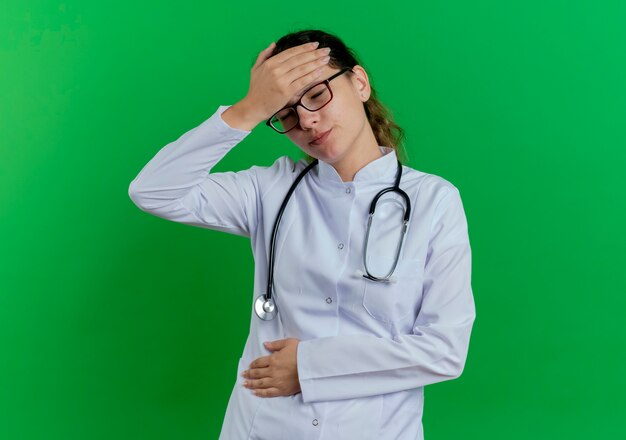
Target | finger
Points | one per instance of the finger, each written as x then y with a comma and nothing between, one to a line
256,373
303,75
305,64
302,83
264,55
257,383
302,59
295,50
267,392
261,362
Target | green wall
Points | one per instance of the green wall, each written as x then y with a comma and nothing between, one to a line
115,324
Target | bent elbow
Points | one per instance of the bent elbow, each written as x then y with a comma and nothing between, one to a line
134,192
450,367
457,370
456,362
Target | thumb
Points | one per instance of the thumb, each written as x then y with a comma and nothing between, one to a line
275,345
264,55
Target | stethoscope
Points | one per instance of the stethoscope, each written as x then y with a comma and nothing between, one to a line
264,305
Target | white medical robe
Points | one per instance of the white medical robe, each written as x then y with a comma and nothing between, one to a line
367,349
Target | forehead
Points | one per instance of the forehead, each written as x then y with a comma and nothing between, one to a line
326,73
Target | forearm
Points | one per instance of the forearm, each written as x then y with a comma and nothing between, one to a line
241,116
183,164
352,366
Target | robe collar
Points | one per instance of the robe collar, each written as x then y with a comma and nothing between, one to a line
380,169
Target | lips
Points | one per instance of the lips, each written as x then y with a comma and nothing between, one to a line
321,138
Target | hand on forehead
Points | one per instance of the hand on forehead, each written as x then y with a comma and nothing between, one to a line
298,95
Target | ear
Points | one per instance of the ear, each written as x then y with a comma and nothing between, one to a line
361,83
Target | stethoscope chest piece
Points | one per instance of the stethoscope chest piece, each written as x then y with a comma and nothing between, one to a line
265,308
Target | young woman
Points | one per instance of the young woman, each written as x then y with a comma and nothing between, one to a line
355,307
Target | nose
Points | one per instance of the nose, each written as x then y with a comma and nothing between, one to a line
307,119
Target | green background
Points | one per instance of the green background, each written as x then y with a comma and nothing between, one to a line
115,324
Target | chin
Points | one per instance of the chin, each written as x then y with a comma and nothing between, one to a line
319,150
328,155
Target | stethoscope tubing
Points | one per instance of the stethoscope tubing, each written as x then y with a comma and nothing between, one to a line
270,278
264,305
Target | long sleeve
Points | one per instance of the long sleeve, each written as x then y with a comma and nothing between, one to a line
176,185
352,366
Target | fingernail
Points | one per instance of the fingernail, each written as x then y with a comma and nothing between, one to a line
315,43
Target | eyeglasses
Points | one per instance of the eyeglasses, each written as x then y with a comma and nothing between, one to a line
313,99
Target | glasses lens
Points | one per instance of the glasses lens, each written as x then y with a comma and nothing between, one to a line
317,97
314,99
284,120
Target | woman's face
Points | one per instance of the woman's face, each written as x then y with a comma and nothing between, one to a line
344,116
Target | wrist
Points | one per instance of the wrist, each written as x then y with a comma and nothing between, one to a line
242,116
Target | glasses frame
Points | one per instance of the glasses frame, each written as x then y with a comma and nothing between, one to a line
294,106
